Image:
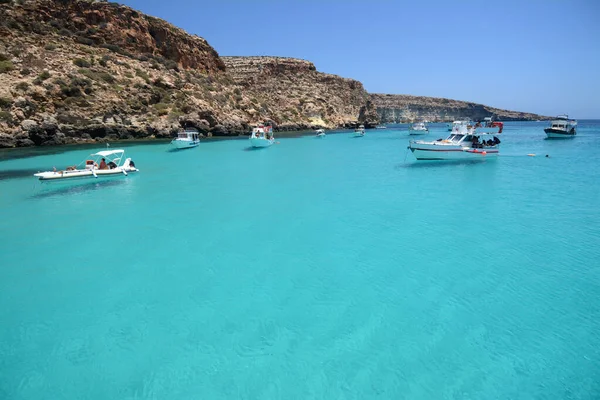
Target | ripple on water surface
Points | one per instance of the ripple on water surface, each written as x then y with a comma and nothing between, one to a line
330,268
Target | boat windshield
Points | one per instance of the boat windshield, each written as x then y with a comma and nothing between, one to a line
455,138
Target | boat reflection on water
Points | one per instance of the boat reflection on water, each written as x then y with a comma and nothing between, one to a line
42,191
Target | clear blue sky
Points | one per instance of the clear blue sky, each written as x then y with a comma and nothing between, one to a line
539,56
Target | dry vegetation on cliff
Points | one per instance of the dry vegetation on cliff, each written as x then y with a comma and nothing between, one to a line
73,70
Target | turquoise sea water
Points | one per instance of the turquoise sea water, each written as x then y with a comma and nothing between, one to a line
333,268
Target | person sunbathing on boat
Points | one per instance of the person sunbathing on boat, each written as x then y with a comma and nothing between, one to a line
103,164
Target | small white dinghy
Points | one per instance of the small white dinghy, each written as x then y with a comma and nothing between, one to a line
94,167
320,133
262,136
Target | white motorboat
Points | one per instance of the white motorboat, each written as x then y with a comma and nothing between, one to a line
381,127
359,132
418,128
262,136
187,139
94,167
463,143
561,127
320,133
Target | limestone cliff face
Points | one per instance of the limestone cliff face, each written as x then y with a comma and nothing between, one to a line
73,71
79,71
405,108
368,115
112,26
293,94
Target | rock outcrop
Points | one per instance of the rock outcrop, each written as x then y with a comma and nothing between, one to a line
295,95
368,115
406,108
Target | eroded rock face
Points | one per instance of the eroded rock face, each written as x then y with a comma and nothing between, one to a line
368,115
294,95
405,108
110,25
80,71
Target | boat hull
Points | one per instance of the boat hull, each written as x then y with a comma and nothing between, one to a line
185,144
68,176
320,135
431,151
559,133
261,142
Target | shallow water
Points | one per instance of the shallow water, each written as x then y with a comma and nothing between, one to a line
317,268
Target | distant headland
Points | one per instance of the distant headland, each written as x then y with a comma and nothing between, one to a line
84,71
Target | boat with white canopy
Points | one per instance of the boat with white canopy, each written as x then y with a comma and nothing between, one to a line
188,138
262,136
103,164
462,144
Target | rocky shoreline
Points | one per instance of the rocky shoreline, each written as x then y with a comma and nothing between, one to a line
81,72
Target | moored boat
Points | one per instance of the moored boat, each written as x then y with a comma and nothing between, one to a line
320,133
463,143
561,127
94,167
418,128
262,136
188,138
488,125
359,132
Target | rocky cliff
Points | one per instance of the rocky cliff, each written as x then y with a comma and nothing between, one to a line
295,94
405,108
76,71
